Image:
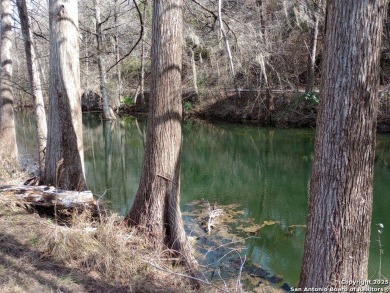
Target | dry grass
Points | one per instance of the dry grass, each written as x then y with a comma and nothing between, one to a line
37,255
85,255
10,171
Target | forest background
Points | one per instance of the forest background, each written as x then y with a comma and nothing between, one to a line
259,64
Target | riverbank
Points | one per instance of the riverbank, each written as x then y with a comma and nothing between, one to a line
283,109
79,253
45,253
41,254
278,108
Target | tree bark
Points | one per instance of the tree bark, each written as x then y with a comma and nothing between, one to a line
65,140
156,208
338,229
8,147
35,81
108,113
53,160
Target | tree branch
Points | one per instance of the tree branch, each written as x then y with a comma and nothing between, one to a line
138,41
40,36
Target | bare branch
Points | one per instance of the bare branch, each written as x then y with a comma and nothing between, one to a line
138,41
40,36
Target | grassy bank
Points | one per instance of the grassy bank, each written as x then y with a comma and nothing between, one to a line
39,255
78,253
45,254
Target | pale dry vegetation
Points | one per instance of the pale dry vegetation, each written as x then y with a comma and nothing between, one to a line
38,255
10,172
47,254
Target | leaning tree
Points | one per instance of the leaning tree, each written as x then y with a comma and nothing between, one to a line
341,187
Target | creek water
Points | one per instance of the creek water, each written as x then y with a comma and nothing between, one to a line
264,170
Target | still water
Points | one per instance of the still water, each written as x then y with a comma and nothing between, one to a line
265,171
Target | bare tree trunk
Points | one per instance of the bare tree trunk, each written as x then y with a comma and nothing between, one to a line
338,229
53,160
108,113
142,81
117,100
156,207
8,147
68,155
269,99
194,74
142,77
225,39
311,62
35,80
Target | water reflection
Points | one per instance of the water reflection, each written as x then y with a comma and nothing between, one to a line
266,171
113,153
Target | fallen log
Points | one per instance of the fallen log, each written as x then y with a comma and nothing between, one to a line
51,197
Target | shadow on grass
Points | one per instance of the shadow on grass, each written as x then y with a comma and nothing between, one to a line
23,264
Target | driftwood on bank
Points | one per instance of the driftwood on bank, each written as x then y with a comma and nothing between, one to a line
51,197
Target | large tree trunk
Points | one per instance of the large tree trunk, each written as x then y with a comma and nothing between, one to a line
8,147
35,81
65,106
338,229
53,160
156,207
108,113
